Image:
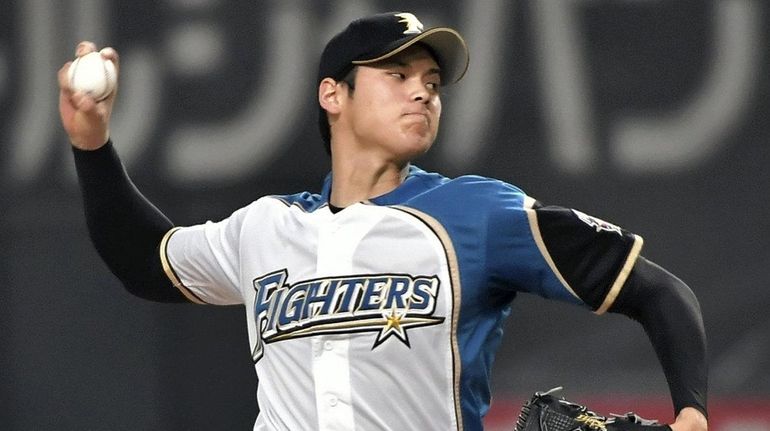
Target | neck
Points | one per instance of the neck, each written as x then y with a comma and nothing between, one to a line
359,178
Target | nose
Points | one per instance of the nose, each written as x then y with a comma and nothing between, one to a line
420,94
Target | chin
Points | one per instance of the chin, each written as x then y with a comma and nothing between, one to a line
417,147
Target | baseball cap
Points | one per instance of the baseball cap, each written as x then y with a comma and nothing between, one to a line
377,37
374,38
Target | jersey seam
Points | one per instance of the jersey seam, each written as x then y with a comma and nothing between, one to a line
454,275
535,230
171,273
620,280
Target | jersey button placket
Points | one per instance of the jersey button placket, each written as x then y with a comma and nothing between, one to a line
337,242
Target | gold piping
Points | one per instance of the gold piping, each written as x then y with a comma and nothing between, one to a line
454,275
170,273
535,228
623,276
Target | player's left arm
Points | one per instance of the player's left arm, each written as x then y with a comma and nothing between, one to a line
669,312
600,263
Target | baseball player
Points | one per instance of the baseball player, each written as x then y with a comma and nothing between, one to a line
378,303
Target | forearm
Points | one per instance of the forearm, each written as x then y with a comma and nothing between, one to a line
124,226
670,314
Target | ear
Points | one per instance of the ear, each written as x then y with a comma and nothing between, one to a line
329,95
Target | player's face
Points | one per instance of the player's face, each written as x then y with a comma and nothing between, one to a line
395,106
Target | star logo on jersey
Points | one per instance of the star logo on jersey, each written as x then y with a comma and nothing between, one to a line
393,324
396,322
392,327
413,25
387,304
598,224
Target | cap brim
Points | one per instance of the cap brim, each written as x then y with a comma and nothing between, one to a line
446,44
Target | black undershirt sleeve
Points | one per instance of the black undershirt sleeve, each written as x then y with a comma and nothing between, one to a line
670,314
125,228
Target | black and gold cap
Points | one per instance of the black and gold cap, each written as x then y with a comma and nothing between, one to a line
378,37
374,38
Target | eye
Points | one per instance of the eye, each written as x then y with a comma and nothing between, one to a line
398,75
433,86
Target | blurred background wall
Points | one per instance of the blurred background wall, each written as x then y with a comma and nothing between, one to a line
651,114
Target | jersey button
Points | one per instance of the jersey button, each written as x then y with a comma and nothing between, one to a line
328,345
332,400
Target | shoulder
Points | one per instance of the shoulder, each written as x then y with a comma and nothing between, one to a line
436,180
487,185
473,200
482,192
306,201
262,208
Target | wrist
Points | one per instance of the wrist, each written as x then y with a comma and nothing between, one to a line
91,144
690,419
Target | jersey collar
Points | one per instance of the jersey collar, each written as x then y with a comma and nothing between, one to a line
413,185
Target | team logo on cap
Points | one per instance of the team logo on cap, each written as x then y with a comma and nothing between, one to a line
413,25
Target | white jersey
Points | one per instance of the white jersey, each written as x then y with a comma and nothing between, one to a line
386,315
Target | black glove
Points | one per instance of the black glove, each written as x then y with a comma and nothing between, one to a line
545,412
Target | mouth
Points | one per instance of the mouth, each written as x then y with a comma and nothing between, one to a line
417,115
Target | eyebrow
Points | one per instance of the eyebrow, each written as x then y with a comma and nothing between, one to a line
391,63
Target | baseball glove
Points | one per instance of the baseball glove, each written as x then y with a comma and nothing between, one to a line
546,412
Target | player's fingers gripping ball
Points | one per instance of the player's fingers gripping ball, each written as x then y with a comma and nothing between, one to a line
94,75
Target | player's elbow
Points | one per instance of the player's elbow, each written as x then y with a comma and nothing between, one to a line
650,289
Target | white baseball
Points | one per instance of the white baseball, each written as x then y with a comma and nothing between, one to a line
93,75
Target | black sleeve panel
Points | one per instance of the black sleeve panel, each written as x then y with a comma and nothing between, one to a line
671,316
592,256
124,226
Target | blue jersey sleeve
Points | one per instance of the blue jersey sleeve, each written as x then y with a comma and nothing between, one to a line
560,253
516,262
498,254
507,242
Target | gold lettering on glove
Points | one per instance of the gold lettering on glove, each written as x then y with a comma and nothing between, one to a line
593,422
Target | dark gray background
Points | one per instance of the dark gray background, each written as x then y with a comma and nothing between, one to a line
78,352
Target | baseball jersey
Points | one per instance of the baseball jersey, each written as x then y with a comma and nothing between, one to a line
386,315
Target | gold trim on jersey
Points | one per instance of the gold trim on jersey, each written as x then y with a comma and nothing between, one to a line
170,273
454,275
623,276
535,228
620,280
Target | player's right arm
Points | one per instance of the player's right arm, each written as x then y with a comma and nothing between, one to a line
124,226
